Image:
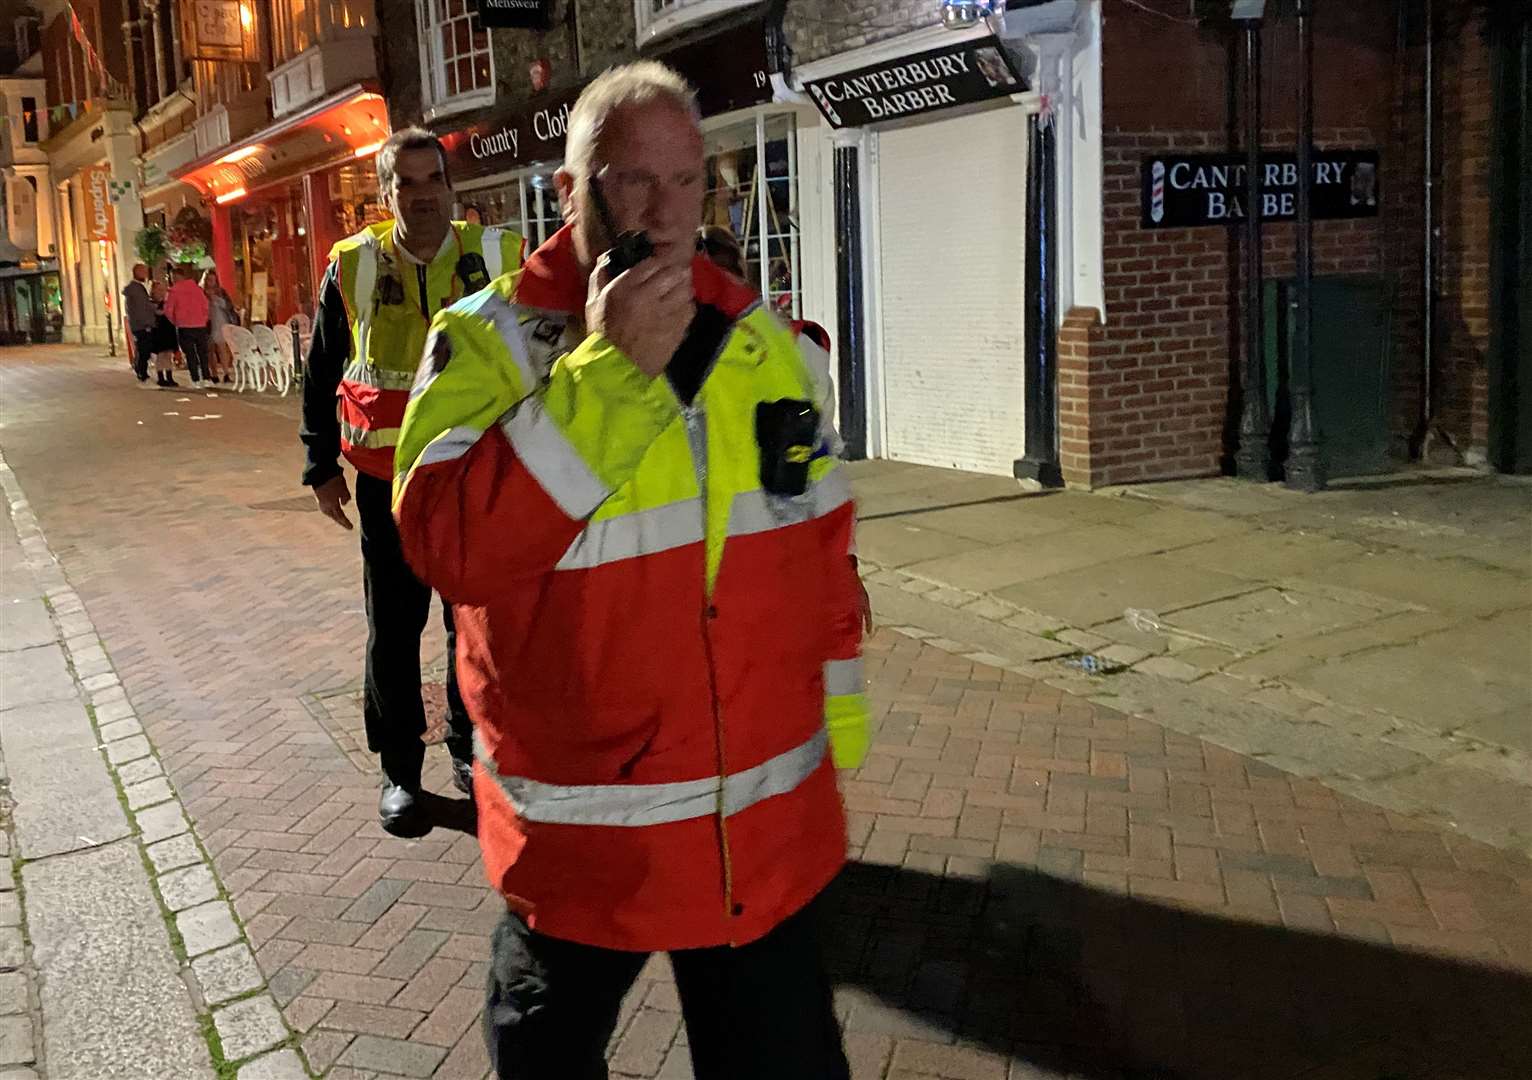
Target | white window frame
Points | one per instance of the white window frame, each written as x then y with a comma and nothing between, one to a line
535,231
788,230
433,71
676,15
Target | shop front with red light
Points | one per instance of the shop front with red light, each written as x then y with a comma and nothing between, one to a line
284,195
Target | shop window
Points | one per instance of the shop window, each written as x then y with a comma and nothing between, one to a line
752,179
457,64
295,29
658,18
529,204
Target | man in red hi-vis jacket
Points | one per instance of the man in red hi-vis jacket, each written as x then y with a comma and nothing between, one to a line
613,467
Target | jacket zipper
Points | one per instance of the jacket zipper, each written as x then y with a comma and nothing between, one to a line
696,437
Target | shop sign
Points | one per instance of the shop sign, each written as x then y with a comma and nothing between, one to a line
223,30
96,183
516,14
961,74
513,139
535,131
1181,191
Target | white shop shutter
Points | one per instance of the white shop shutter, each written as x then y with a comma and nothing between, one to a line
952,219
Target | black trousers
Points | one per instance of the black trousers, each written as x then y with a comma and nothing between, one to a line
193,341
760,1012
398,605
143,348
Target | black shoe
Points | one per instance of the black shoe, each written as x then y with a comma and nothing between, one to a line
462,776
399,810
171,384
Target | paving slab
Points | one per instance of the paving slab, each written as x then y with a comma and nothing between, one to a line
34,676
896,543
24,624
51,750
1454,585
111,987
993,569
248,1027
1099,594
1256,620
1443,692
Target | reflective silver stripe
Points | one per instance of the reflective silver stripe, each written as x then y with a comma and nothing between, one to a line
381,378
644,532
759,511
555,464
635,805
364,439
449,446
844,677
494,258
361,290
502,313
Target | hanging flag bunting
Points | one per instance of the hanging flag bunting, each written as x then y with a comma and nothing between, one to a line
93,60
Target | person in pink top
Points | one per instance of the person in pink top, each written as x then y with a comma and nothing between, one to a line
187,308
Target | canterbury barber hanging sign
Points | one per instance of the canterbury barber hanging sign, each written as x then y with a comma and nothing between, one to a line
1182,191
516,14
940,79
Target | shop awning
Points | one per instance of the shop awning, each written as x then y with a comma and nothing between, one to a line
350,124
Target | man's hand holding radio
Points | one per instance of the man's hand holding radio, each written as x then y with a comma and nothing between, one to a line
644,311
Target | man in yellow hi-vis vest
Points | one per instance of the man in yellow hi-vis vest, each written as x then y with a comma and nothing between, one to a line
383,286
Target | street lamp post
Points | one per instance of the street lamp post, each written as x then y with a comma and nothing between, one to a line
1305,469
1253,459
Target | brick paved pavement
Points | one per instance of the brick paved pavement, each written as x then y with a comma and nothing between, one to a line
1045,888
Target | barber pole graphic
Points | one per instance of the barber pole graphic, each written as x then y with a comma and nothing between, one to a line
1157,192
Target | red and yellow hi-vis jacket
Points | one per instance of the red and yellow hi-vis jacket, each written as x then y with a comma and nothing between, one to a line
662,659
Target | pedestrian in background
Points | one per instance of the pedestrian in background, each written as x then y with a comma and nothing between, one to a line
141,315
221,315
161,340
187,309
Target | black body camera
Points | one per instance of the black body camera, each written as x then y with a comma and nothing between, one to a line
472,272
787,433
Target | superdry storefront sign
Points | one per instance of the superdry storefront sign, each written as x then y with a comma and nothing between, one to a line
940,79
1185,190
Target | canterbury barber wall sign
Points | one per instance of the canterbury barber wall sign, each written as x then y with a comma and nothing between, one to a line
516,14
1183,191
939,79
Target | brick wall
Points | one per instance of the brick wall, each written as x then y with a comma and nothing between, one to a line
1462,336
1153,393
1162,366
826,27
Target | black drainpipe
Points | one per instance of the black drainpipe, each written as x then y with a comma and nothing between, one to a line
1041,367
1253,460
850,304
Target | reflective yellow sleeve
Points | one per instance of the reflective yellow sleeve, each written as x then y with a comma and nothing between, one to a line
849,723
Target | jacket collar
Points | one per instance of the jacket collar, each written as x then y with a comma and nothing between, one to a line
553,280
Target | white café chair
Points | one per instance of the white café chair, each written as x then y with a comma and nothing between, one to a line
249,364
279,367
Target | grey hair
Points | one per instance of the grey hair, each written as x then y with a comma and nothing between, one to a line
410,138
643,82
